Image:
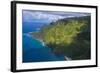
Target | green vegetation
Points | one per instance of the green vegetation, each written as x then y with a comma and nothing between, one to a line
69,37
62,33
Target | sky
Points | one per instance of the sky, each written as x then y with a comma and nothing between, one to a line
48,16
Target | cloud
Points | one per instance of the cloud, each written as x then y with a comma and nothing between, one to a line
47,16
30,16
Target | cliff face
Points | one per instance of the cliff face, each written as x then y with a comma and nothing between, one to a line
68,36
37,35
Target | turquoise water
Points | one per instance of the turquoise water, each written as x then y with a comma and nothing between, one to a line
35,51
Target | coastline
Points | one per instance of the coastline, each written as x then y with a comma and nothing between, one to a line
31,34
38,39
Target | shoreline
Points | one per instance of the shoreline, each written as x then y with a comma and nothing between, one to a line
43,44
40,40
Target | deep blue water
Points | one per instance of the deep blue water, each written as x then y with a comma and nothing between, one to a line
33,49
32,26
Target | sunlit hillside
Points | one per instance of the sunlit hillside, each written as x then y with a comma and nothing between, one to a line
68,36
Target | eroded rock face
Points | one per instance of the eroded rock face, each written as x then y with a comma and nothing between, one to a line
36,35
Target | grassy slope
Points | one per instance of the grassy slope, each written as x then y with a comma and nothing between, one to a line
69,36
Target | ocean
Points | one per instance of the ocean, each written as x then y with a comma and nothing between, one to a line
33,49
32,26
